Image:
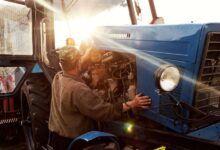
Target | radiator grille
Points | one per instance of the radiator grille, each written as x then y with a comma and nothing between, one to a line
207,96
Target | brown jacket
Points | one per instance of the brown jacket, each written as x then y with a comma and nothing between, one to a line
74,107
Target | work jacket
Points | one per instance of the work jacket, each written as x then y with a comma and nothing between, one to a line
74,107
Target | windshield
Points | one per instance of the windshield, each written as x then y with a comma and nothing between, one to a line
15,29
188,11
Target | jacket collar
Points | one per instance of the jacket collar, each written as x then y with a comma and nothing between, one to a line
75,77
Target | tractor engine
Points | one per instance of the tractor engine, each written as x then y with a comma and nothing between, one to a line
112,75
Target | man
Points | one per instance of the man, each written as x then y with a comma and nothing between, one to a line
74,107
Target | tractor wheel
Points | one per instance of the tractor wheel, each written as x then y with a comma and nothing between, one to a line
35,108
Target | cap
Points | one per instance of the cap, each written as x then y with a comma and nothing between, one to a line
70,42
68,53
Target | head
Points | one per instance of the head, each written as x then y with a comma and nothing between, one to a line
69,58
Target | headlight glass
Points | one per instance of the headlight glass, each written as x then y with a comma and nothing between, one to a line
169,79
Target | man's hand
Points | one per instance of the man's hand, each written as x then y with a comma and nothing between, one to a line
138,102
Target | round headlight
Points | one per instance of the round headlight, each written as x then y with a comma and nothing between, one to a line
167,77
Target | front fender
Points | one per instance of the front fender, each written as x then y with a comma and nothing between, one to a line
92,136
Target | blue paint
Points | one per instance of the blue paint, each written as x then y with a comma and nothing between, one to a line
90,136
93,135
37,69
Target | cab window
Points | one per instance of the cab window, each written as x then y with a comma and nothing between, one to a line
9,78
15,29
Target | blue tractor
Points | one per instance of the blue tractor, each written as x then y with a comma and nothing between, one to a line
186,55
178,66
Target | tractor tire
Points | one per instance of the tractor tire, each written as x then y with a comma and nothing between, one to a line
35,109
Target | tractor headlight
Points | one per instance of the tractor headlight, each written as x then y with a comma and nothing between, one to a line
167,77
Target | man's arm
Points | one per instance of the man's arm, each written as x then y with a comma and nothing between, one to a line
94,107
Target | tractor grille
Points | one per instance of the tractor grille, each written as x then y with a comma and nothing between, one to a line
207,96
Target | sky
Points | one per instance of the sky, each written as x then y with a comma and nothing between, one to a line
179,11
188,11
